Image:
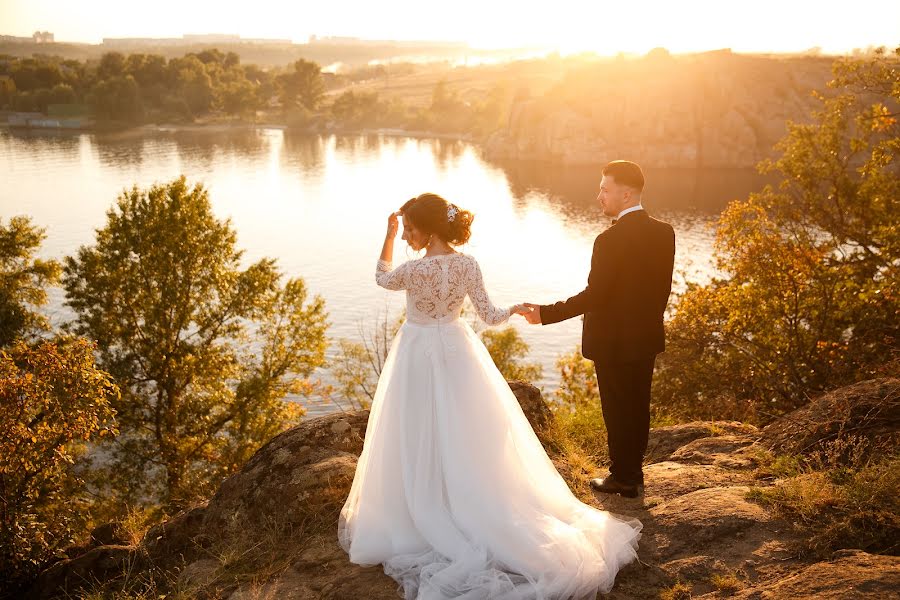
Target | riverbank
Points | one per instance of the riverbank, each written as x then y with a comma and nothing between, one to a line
137,131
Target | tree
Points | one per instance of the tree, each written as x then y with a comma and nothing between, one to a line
355,109
238,97
203,351
62,93
507,348
302,85
193,82
811,300
23,280
53,400
112,64
117,98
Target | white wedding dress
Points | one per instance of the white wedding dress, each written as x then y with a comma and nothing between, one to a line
453,492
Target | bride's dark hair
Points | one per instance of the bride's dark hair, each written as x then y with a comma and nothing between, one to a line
433,214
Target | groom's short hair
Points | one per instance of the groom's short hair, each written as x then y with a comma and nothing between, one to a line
625,172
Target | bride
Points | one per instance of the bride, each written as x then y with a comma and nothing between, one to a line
453,492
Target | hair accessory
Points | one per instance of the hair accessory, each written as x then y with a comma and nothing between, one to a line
452,211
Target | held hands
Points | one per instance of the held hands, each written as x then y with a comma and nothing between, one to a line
531,312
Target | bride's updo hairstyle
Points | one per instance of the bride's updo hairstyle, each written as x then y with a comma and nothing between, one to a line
432,214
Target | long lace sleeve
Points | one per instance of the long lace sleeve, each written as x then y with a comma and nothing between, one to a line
487,312
391,279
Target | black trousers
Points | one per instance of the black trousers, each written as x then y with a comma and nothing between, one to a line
625,399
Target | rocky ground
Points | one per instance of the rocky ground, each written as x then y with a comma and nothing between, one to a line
270,530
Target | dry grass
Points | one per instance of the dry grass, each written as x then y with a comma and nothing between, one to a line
576,441
844,496
679,591
728,583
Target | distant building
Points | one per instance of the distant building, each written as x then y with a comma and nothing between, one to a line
211,38
353,41
135,42
189,39
265,41
42,37
15,38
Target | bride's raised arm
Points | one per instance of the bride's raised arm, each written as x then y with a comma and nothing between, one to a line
385,275
487,311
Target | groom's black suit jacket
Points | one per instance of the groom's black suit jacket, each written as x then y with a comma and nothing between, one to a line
627,291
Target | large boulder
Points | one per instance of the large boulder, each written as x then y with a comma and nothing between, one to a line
868,411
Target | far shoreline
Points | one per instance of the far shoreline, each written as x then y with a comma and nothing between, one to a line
137,131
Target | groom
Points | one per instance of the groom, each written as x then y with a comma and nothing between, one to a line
623,305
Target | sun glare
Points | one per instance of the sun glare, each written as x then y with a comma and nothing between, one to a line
567,26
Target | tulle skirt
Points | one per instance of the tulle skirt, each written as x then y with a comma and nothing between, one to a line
455,495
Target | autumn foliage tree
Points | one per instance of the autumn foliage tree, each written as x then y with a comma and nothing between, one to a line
53,401
811,299
23,280
204,351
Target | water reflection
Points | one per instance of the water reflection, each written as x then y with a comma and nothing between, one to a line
318,204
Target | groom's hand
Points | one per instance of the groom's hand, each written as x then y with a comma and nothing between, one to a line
533,317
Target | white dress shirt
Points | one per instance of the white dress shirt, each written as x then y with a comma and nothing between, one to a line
628,210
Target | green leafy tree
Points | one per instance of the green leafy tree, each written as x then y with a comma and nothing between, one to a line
203,351
811,297
112,64
117,98
23,280
238,96
302,85
53,401
507,348
193,83
356,109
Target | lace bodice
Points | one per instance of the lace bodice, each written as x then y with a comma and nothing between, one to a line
436,287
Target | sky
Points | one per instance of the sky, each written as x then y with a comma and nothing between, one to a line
566,25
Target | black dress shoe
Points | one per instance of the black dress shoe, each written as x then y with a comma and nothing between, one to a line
611,485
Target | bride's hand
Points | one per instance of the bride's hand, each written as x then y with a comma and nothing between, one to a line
519,309
393,224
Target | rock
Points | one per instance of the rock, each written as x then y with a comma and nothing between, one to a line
704,520
180,539
868,410
699,570
853,575
695,568
669,479
199,574
664,441
713,450
110,534
68,577
532,403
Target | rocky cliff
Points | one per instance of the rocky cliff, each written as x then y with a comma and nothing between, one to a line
270,530
711,110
